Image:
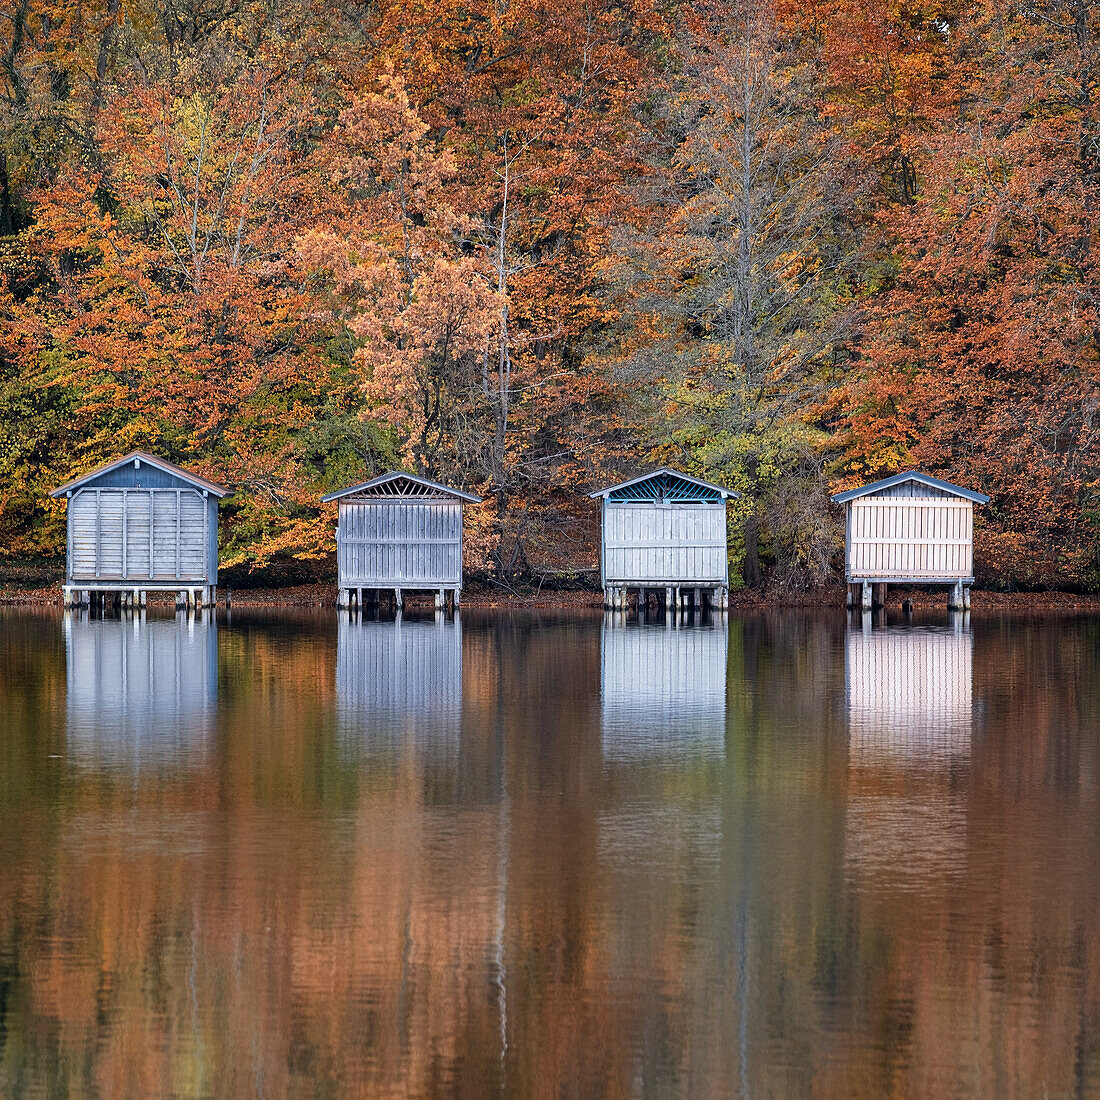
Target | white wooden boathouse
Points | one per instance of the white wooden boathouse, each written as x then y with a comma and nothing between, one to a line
908,529
140,524
399,532
664,531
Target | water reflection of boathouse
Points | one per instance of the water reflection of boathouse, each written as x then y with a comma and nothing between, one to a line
910,709
393,676
662,691
910,693
140,692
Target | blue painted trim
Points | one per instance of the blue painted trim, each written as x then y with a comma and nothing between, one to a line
909,475
665,484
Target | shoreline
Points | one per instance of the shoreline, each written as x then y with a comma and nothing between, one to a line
479,598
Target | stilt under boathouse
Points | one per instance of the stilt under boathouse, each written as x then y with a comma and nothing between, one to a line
664,533
136,525
908,529
399,533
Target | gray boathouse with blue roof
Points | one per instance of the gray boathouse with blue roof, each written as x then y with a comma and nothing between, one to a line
140,524
908,529
664,531
399,533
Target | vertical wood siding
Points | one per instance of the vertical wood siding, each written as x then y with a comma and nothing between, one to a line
910,693
399,543
135,535
140,694
919,537
662,692
677,543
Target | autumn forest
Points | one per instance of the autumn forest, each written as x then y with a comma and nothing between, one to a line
528,246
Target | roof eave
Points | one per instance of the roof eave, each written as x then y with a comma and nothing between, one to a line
909,475
171,468
726,493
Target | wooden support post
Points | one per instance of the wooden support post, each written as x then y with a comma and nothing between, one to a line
343,598
878,595
440,600
697,600
455,598
966,597
669,600
865,596
66,597
955,599
181,600
398,599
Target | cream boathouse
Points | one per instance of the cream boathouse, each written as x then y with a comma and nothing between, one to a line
664,531
908,529
137,525
399,532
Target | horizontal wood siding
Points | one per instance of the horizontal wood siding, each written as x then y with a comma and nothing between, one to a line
909,693
400,543
140,694
662,692
393,676
133,535
658,543
919,537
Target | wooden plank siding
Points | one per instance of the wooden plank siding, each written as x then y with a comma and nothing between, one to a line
399,543
141,535
901,537
652,542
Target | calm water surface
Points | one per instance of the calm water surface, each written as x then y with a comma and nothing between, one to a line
530,855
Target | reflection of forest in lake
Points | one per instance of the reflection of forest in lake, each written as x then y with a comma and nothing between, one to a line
507,866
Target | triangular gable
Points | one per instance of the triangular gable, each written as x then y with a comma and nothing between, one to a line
665,484
910,475
398,483
150,460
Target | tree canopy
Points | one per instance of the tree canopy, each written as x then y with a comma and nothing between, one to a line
528,247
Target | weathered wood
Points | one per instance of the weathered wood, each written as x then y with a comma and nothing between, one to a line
909,528
400,531
663,529
141,520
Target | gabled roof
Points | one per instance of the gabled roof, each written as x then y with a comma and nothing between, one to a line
393,478
143,456
665,483
910,475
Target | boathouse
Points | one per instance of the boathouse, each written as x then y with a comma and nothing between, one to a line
664,531
140,524
399,533
908,529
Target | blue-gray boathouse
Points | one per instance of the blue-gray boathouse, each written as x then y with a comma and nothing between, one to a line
141,524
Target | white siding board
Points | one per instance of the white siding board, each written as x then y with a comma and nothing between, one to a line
135,535
646,542
905,536
410,543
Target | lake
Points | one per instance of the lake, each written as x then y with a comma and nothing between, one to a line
539,854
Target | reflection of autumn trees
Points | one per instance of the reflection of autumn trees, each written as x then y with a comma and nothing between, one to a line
317,908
